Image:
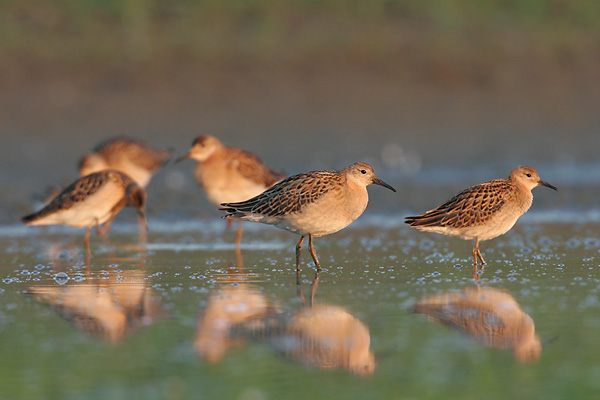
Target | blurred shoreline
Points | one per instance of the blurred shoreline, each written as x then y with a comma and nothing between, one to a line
432,97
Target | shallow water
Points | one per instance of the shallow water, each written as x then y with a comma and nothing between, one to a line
186,315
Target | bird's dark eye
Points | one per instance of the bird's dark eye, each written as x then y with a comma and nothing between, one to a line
528,175
362,171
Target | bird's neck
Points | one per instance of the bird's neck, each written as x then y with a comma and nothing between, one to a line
524,196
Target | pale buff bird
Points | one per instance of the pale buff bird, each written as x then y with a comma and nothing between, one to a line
92,201
484,211
491,316
229,174
320,336
108,308
130,156
226,308
314,203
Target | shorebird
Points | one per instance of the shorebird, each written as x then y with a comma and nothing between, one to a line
315,335
129,156
92,200
227,308
315,203
491,316
484,211
320,336
109,308
229,174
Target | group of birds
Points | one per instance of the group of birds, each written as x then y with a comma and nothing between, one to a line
312,204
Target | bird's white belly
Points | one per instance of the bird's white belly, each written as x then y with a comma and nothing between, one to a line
95,209
228,193
222,185
496,226
322,218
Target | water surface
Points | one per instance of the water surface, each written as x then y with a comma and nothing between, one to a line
185,315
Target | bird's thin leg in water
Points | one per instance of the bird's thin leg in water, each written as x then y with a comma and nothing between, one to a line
238,235
313,253
477,254
298,247
104,229
142,230
299,286
476,275
86,241
313,287
239,259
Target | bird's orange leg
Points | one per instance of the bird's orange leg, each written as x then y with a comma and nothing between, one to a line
477,254
86,241
298,247
313,253
238,235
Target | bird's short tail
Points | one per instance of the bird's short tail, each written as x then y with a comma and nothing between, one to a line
232,212
30,218
427,219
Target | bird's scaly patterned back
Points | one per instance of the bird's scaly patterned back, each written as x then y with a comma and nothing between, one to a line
82,189
136,151
250,166
473,206
291,194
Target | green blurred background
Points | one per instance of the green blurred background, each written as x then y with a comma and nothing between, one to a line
407,85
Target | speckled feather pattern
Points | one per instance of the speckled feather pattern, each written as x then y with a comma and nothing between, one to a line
251,167
80,191
479,320
484,211
290,195
135,151
473,206
491,316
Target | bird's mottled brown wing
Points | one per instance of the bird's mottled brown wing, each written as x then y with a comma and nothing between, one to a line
135,150
288,196
250,166
472,206
472,319
79,191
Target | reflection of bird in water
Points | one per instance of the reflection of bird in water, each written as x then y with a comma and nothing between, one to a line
130,156
484,211
107,308
229,174
92,201
316,203
491,316
318,336
234,303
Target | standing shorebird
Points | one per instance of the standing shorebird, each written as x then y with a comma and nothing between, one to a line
485,211
229,174
92,200
129,156
314,203
491,316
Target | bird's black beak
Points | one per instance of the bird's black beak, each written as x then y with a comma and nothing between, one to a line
379,182
541,182
142,218
548,341
183,157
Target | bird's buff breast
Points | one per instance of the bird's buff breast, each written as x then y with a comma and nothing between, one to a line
498,225
225,185
332,213
94,210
